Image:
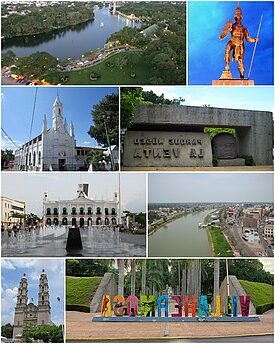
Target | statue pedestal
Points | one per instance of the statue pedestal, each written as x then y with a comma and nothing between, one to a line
233,82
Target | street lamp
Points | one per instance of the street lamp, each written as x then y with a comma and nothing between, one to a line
105,118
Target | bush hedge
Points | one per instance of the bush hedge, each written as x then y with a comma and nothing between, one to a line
78,308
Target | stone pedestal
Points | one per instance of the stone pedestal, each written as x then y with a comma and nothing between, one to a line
231,162
74,242
233,82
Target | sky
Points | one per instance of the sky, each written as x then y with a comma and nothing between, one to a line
210,187
17,107
64,186
12,272
206,51
249,98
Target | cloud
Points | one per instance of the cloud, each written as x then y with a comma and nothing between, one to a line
159,90
8,302
7,264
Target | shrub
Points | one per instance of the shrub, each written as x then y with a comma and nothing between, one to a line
78,308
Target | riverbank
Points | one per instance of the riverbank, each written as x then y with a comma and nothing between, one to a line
34,20
152,230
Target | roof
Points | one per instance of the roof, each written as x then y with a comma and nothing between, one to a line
150,30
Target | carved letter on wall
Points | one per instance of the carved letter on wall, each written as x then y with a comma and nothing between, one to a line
204,309
245,303
118,304
235,305
178,306
132,305
163,302
217,312
191,305
106,306
147,305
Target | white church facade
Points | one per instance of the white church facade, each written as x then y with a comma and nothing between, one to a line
81,211
54,149
28,312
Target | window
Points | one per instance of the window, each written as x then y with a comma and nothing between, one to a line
81,211
89,210
55,211
73,211
39,158
48,211
34,158
113,211
106,211
98,210
30,159
64,211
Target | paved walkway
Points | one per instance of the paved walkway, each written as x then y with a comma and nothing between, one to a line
202,169
80,326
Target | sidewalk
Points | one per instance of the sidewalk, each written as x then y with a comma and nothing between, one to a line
79,326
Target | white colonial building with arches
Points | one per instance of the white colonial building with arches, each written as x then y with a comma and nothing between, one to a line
80,211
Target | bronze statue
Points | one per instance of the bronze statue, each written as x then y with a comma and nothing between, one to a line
235,47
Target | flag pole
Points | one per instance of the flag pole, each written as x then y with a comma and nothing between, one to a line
254,50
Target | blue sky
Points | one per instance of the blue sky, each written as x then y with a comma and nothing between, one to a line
12,272
62,186
210,187
249,98
206,51
17,105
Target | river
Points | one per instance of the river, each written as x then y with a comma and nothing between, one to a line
74,41
181,238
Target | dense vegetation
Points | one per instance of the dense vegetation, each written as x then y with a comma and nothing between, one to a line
79,292
106,116
44,333
36,65
165,53
32,20
262,295
130,97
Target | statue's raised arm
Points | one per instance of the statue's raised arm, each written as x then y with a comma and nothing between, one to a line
226,29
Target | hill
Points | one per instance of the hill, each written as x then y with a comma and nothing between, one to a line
80,291
261,295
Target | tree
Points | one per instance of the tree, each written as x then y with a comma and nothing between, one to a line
95,158
133,276
130,97
6,156
46,333
216,277
105,116
120,263
6,330
143,277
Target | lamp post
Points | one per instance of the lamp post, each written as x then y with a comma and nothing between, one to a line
105,118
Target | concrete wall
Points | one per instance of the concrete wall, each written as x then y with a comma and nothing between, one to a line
254,129
235,289
107,286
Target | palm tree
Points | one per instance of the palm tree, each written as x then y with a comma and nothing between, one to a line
133,276
216,277
143,277
120,263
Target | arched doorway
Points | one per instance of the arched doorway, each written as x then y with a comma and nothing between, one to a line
114,221
98,221
48,222
89,222
107,222
55,221
81,222
74,221
64,221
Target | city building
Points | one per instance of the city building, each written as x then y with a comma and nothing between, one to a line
54,149
27,312
269,230
81,211
12,212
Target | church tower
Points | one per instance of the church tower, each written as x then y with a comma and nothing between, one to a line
44,308
20,308
57,114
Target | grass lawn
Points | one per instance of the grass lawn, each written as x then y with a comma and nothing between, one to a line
80,290
261,293
109,75
221,246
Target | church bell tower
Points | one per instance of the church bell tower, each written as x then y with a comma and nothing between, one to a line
57,114
20,308
44,308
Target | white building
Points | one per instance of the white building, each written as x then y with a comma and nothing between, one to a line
54,149
81,211
12,212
